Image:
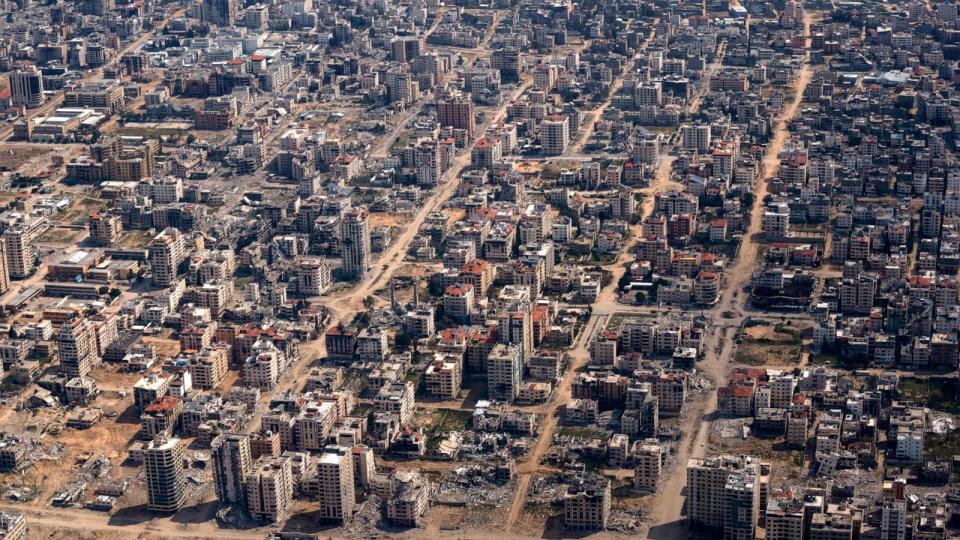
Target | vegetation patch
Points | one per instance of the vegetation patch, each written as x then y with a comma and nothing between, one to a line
583,432
766,345
942,394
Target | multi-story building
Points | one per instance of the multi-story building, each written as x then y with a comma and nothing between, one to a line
649,458
516,328
396,398
741,514
372,344
586,504
106,97
209,367
444,376
230,454
26,87
77,347
724,494
269,489
893,519
834,524
313,277
219,12
409,498
335,474
4,271
262,369
504,372
781,391
458,301
19,252
355,243
857,294
163,464
457,112
776,223
554,135
695,137
150,388
785,519
487,152
419,322
105,230
166,252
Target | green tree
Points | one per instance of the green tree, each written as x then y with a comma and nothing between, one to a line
402,341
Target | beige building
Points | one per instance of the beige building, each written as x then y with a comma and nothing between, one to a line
586,505
724,494
26,87
504,372
105,230
554,135
166,252
337,497
19,252
458,302
444,376
649,458
77,347
409,498
163,464
313,277
209,367
270,489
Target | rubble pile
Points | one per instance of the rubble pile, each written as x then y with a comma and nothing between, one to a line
547,490
367,521
625,521
474,486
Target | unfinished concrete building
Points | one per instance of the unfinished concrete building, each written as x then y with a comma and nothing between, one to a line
586,504
409,499
230,454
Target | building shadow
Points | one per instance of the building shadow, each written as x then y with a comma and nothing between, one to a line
673,530
128,416
132,515
197,513
307,523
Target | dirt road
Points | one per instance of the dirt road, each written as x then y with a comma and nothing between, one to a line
344,305
662,181
579,356
134,527
586,131
667,514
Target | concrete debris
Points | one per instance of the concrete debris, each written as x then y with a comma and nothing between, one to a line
625,521
942,425
475,486
367,521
